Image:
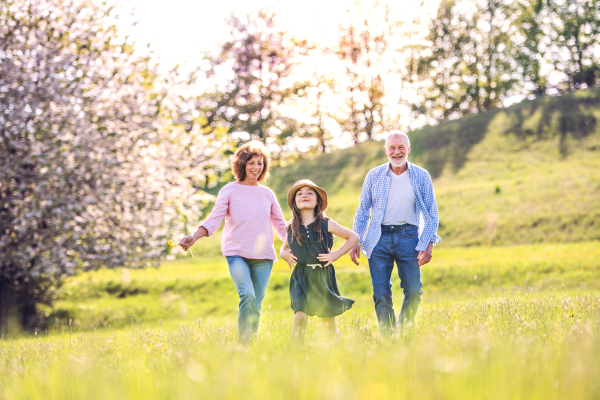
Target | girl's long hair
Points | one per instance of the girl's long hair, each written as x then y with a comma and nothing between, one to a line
296,221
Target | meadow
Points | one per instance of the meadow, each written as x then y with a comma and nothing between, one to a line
495,323
531,347
511,304
186,289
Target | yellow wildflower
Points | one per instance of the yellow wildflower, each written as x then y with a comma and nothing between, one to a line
173,246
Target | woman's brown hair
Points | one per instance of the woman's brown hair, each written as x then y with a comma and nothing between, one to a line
245,154
296,220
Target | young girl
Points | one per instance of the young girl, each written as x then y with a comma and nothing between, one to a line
313,287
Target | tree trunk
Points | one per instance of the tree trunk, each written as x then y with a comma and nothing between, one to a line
6,314
18,311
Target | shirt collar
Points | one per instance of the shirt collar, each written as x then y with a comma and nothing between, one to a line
389,168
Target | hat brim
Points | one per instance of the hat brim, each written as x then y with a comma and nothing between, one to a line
306,182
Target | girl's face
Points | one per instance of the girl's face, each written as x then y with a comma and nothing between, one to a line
306,198
254,167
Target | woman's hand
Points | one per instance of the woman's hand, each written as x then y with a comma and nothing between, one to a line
329,257
187,242
288,257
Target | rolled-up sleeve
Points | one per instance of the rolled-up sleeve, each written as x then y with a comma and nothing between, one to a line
218,212
363,212
432,223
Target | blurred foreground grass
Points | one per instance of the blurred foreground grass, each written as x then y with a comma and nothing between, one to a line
531,347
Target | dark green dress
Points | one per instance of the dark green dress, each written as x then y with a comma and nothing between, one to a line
314,289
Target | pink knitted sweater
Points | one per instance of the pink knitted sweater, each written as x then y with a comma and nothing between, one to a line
251,213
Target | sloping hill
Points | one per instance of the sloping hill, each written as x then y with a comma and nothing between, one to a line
525,174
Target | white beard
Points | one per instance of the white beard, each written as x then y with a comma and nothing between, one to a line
397,164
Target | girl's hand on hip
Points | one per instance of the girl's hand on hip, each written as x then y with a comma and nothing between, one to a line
288,257
329,257
187,242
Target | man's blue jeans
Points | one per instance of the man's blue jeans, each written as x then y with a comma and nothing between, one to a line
251,278
397,243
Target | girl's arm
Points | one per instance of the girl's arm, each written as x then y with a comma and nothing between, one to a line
345,233
286,253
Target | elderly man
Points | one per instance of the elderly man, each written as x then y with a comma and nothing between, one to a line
399,201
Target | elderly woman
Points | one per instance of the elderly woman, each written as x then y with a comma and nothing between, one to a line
251,211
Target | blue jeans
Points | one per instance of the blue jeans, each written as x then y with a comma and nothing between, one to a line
251,278
397,243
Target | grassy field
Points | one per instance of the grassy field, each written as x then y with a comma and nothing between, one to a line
531,347
511,307
187,289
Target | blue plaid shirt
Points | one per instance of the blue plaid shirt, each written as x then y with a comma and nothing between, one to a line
373,200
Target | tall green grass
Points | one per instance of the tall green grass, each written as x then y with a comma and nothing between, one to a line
187,289
519,348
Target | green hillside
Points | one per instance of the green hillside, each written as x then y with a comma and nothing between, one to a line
529,173
504,180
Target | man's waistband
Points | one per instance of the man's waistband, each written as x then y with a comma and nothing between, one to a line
398,228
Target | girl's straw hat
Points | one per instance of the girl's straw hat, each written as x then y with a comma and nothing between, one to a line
309,183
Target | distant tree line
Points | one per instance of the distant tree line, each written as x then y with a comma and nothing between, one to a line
469,56
478,54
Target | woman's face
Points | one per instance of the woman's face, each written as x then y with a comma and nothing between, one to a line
254,167
306,198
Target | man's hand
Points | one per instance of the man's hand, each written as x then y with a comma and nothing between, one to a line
426,256
355,254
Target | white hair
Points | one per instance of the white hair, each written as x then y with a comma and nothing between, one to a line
396,133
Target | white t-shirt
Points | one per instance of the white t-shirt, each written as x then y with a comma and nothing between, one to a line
400,208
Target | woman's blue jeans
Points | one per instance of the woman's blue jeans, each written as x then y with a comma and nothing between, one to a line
397,244
251,278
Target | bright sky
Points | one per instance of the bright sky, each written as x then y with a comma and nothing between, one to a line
178,30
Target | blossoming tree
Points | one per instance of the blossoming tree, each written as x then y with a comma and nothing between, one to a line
93,145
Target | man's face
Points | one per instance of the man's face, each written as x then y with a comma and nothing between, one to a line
397,151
